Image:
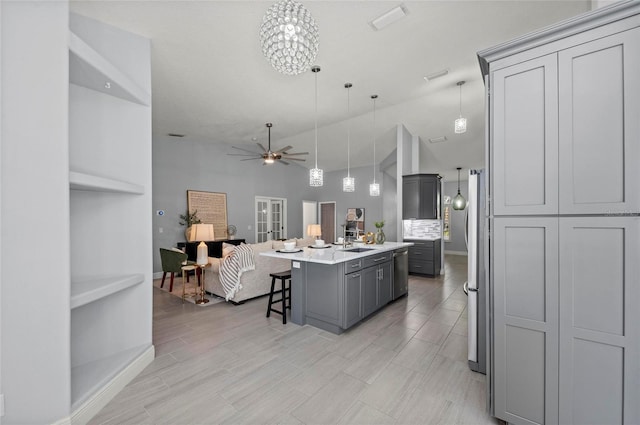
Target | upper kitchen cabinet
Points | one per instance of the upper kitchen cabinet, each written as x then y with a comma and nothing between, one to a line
599,132
421,196
565,127
525,138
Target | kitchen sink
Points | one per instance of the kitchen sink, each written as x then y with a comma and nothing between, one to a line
358,249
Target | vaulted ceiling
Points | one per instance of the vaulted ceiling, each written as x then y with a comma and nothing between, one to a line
212,83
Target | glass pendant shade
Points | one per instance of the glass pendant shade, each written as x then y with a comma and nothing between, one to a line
348,184
289,37
316,174
460,125
374,189
459,203
316,177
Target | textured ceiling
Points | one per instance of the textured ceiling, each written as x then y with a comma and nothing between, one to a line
211,82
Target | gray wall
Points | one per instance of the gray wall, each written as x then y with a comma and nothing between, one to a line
182,164
456,244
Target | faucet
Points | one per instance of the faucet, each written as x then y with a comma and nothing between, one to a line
344,235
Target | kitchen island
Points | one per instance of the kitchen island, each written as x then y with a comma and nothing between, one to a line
334,288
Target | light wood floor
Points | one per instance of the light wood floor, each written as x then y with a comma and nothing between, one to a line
230,365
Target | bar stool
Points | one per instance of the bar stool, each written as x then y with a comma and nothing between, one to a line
283,277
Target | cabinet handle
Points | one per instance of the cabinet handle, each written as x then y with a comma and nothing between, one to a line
355,265
353,276
379,259
381,274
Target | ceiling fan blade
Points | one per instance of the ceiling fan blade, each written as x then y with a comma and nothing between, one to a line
292,159
246,150
286,148
262,147
245,154
251,159
283,162
296,153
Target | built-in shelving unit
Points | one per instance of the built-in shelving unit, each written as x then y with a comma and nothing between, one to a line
110,200
89,290
82,181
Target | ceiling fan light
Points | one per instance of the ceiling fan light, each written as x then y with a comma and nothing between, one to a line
315,177
348,184
269,160
374,189
460,125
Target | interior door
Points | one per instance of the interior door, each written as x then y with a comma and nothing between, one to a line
328,221
270,219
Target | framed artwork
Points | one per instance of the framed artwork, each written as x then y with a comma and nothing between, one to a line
355,221
212,209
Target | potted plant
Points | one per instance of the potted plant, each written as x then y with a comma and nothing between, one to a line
188,219
380,237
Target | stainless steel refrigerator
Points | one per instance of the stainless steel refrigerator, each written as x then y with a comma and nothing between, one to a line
476,285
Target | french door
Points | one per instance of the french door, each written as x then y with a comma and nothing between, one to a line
271,222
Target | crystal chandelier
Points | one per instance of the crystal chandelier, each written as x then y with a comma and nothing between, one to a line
348,183
459,203
316,174
289,37
374,188
460,125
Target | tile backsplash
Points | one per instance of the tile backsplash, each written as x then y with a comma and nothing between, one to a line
421,229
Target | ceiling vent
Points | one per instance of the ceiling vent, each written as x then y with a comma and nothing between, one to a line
438,139
438,74
389,17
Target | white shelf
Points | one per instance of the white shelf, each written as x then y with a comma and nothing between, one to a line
86,291
88,378
88,68
83,181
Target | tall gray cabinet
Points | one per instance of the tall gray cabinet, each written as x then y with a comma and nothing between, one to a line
564,170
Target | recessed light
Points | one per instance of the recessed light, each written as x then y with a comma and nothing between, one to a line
435,75
389,17
438,139
175,135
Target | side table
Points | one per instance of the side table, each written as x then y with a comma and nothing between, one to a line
203,299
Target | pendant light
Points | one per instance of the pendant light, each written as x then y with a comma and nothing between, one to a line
348,183
459,203
374,188
316,174
460,125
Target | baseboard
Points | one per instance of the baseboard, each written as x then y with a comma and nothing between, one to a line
157,275
456,253
92,406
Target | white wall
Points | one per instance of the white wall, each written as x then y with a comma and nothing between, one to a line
35,212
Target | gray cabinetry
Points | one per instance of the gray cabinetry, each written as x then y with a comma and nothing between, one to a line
352,299
525,317
369,290
421,196
564,145
377,282
424,257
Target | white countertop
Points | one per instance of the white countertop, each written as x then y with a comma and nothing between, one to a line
335,254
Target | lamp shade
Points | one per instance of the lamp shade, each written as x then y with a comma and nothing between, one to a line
202,232
314,230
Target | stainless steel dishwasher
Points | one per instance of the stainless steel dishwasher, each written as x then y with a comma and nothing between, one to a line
400,272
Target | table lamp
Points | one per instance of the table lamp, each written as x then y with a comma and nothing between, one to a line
202,232
314,230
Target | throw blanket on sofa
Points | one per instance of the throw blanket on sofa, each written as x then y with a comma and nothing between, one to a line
232,266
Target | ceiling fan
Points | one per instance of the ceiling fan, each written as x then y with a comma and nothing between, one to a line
269,156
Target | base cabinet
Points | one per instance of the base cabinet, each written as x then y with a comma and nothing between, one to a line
424,257
352,299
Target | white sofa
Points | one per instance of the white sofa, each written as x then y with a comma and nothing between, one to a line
255,283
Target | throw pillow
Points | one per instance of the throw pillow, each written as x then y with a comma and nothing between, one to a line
227,249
